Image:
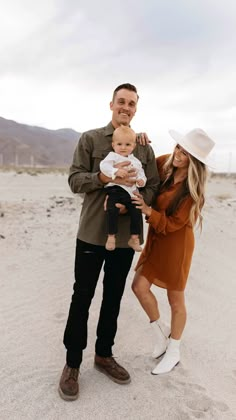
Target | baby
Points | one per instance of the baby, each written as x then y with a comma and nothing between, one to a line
123,143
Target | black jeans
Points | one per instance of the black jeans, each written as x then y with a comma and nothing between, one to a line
117,194
88,263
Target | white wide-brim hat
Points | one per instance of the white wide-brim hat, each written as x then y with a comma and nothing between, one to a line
196,142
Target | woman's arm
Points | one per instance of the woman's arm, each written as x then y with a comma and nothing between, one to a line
162,223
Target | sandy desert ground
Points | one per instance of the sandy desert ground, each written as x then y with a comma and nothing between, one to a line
38,223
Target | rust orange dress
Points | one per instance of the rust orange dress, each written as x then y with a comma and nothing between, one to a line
166,258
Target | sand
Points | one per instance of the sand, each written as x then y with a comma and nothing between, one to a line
38,223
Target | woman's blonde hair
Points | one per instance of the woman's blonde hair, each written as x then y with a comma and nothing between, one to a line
194,186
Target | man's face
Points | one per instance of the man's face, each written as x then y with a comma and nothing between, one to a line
123,107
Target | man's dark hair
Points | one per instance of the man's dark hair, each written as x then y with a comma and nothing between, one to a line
127,86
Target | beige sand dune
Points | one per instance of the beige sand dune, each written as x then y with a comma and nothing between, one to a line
38,224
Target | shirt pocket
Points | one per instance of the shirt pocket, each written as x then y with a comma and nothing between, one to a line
97,156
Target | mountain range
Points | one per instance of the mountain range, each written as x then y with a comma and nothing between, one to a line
22,144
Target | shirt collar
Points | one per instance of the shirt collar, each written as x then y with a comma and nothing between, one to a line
109,129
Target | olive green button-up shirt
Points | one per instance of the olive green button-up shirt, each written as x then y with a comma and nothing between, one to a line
93,146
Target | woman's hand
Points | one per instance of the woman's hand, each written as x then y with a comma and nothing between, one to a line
140,204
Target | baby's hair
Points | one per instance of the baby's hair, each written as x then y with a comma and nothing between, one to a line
123,130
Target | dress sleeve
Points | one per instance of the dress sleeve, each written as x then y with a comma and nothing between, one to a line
164,224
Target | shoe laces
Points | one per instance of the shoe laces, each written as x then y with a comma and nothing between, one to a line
112,361
73,374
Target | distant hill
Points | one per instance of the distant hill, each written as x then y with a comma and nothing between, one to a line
26,145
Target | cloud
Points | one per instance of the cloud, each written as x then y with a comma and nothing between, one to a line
61,60
79,37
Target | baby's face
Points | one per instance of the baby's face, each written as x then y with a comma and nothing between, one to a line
124,145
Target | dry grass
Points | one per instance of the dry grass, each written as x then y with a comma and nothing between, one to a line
224,196
221,175
34,170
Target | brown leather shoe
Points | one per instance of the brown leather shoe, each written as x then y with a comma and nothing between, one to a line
68,386
112,369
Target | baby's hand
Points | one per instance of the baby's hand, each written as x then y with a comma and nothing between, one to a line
140,182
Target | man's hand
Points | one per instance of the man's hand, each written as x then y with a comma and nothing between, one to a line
129,178
142,138
128,181
122,164
122,208
121,173
103,178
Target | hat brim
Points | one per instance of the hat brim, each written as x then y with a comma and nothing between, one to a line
179,138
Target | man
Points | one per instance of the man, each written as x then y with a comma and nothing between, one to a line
85,177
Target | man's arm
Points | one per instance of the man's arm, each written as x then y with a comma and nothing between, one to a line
81,179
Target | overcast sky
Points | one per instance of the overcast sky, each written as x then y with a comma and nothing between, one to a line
60,61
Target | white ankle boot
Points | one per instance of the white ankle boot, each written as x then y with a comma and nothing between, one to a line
170,360
161,333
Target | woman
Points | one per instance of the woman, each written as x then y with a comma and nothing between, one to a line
166,258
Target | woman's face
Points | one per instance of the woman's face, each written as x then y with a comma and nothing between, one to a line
181,157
